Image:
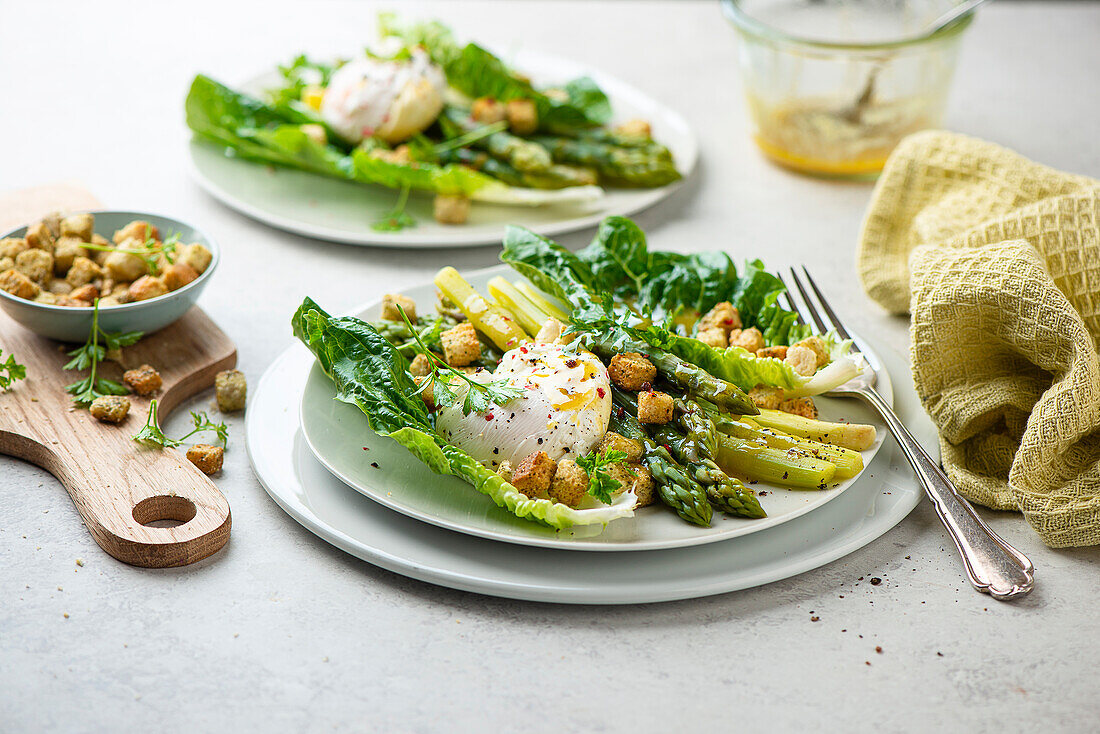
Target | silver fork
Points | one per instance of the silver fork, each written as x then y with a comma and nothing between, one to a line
992,565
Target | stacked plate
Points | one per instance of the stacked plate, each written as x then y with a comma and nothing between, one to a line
320,461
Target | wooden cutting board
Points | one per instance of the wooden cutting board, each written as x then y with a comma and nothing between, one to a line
123,491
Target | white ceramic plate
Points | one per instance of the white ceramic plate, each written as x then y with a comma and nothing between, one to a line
342,211
284,465
383,470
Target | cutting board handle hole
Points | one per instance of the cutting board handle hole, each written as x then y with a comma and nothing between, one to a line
164,511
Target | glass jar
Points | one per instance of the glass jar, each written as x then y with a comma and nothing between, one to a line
833,85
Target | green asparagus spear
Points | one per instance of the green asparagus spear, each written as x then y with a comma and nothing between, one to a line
792,468
694,421
620,166
697,381
520,153
675,487
724,492
557,176
692,449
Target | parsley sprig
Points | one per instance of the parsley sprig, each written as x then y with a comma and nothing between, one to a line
480,396
601,485
89,357
149,251
397,218
10,372
152,436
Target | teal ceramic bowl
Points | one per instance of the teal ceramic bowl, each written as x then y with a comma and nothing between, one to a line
70,324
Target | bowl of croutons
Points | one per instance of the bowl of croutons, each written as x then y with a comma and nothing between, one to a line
140,271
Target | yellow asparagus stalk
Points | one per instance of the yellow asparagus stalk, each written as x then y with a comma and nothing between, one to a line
491,320
529,315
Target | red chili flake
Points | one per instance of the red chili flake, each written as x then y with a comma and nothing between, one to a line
366,449
488,416
600,391
878,649
523,350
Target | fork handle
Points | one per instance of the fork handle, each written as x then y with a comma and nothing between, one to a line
992,565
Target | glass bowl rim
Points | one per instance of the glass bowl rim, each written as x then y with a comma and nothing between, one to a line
736,14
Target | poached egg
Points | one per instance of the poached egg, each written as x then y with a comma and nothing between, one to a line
564,409
390,99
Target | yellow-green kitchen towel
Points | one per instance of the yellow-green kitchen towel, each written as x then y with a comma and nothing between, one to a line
997,259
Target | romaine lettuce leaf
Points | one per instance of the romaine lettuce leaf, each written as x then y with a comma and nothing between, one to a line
476,72
599,281
370,373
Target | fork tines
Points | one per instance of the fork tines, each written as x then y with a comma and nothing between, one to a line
808,308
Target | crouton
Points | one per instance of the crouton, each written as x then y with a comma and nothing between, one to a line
631,371
86,293
12,246
421,366
654,407
391,301
817,346
763,396
99,256
206,457
36,265
750,339
800,406
18,284
39,236
53,223
147,287
522,115
230,389
144,380
50,299
612,441
644,487
58,286
506,471
315,132
779,352
79,226
402,154
178,275
197,256
460,345
82,272
110,408
534,474
7,263
451,209
139,230
635,129
428,393
65,251
487,110
713,338
723,316
125,264
802,360
570,483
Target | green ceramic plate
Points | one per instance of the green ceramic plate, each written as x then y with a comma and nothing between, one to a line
341,211
340,438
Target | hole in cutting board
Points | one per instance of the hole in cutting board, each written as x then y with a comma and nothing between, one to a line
164,511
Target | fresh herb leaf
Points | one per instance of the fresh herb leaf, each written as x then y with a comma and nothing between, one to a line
150,434
480,396
90,356
397,218
10,372
601,485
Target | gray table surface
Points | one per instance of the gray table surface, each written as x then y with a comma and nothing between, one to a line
279,631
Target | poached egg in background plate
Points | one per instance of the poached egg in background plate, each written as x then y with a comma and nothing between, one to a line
389,99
